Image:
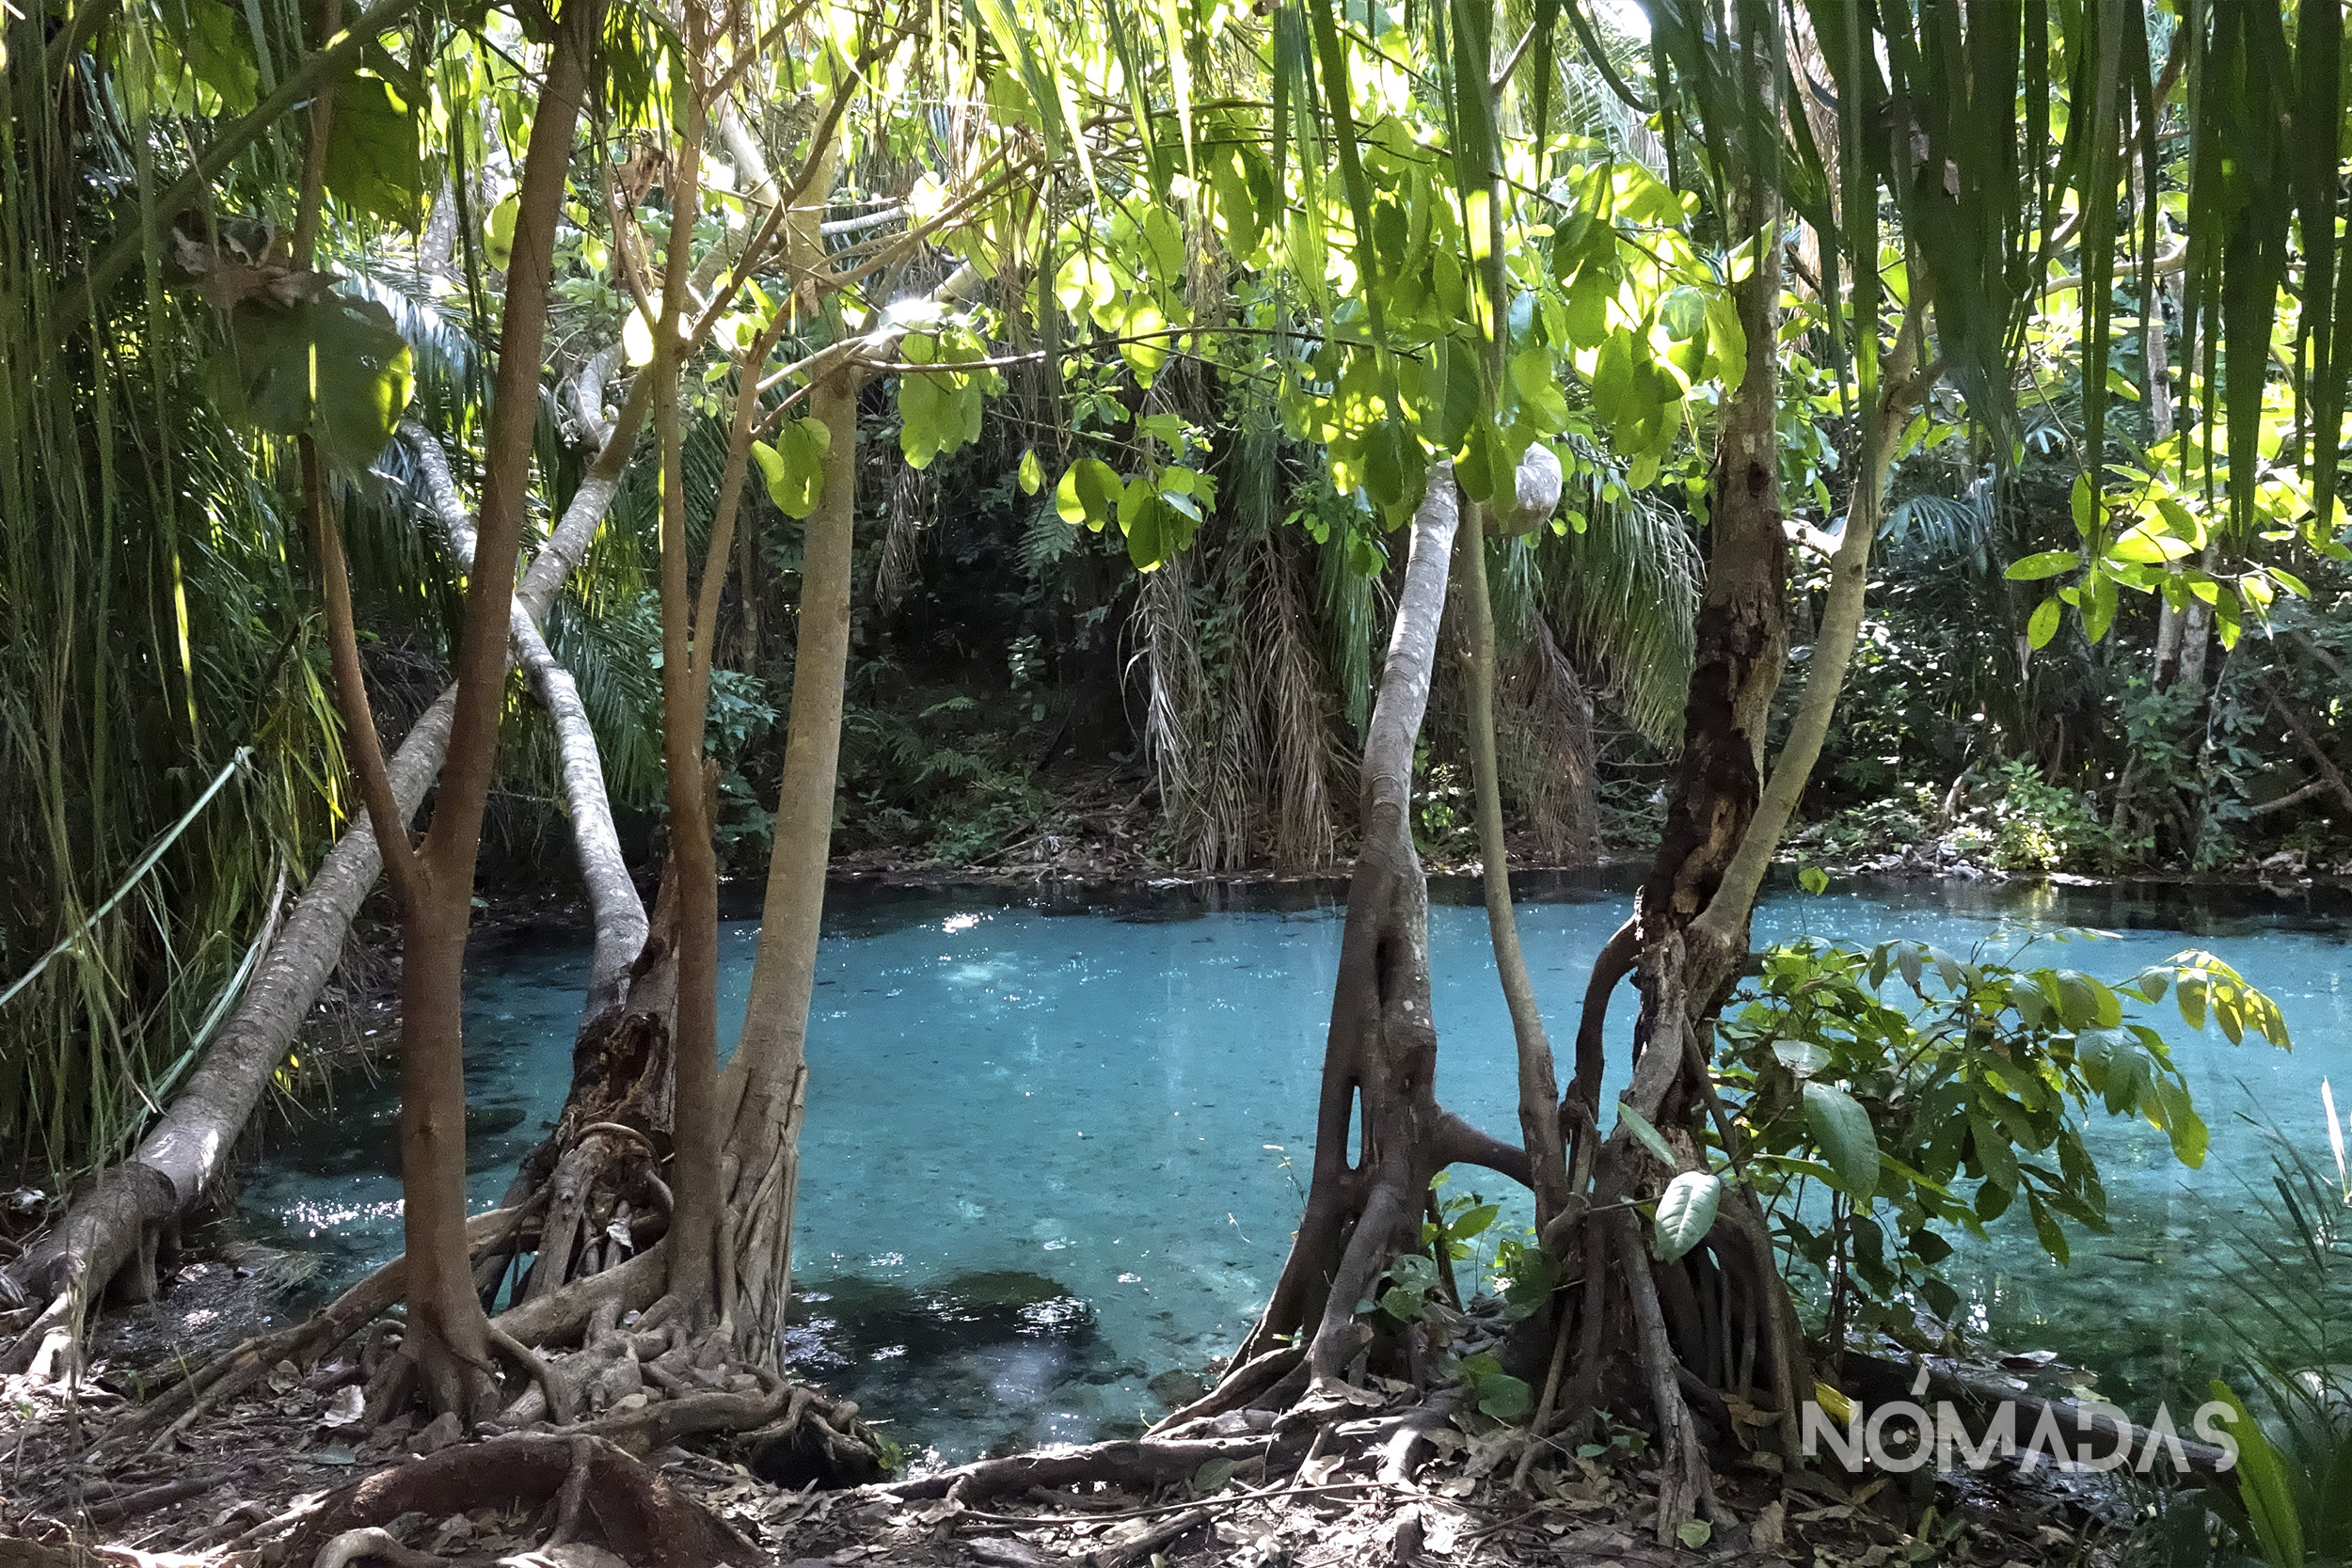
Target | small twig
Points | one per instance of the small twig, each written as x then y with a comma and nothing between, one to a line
123,1505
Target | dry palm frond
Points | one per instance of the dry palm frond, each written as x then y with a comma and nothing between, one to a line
914,501
1167,654
1544,746
1623,594
1309,768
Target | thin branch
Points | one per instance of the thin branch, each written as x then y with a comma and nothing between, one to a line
402,867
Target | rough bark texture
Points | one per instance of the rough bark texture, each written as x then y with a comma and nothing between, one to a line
1742,649
1380,1061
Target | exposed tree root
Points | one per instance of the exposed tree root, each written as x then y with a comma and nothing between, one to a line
1152,1462
1382,1056
637,1513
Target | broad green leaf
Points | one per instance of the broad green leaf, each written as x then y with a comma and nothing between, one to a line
1842,1129
794,467
334,368
1032,473
1089,494
2049,564
1994,1154
2044,623
1686,1213
372,160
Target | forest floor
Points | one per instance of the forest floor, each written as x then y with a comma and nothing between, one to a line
216,1493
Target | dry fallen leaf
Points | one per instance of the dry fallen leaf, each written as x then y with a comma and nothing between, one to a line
349,1403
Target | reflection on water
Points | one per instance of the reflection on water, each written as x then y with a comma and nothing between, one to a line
1055,1140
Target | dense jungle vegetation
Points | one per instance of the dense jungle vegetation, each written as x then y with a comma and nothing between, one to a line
623,445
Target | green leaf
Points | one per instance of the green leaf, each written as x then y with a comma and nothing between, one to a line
2044,623
2262,1485
1694,1533
334,368
1089,494
1651,1139
794,467
371,160
2049,564
1842,1129
1212,1476
1995,1155
1032,473
1686,1213
1813,879
1496,1392
2046,1229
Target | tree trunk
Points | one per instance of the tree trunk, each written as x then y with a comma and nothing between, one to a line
447,1335
1380,1061
1742,649
695,1043
1538,1076
767,1078
614,908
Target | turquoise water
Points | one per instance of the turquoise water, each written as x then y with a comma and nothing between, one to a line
1056,1141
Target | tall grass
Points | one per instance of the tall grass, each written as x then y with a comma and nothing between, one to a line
152,625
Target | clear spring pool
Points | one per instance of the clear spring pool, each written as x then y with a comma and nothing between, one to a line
1056,1139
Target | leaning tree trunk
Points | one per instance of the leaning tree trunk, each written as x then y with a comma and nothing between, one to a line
112,1230
1687,942
1538,1079
1380,1059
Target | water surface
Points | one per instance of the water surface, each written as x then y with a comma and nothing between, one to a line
1057,1141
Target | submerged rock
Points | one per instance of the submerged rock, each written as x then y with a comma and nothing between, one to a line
1176,1387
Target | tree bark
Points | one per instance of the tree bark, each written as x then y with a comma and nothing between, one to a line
447,1336
1538,1075
614,908
1742,649
1380,1061
761,1095
767,1078
694,1042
